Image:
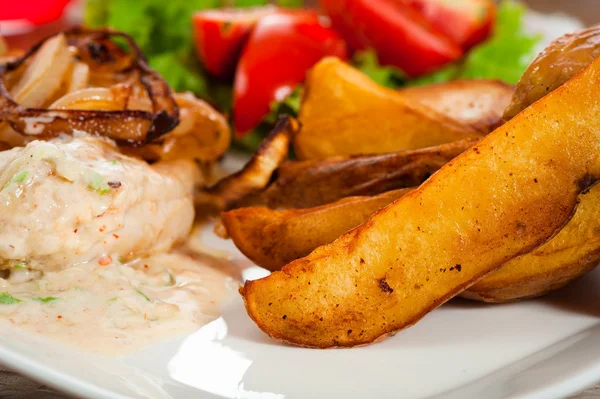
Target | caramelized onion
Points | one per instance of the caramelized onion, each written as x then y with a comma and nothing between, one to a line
101,98
129,127
104,90
3,47
80,76
44,76
7,54
202,134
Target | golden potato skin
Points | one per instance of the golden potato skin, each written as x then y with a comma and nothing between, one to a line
572,252
304,184
256,173
533,286
499,199
478,103
272,239
343,112
559,62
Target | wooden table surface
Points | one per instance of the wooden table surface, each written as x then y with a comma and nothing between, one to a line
15,386
592,393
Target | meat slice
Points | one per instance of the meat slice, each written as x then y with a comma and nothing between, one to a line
78,199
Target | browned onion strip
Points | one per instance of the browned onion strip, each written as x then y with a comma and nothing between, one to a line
102,99
256,174
7,54
127,127
202,134
43,77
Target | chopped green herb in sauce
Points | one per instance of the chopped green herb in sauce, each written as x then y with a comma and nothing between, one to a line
45,299
20,266
142,294
97,183
7,299
172,280
19,177
96,180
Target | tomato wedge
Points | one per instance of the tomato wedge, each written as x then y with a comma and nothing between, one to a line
400,35
220,35
37,12
281,48
467,22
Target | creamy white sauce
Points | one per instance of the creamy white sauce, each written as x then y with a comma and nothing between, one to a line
116,308
70,209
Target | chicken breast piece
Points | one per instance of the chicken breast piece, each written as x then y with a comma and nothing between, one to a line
78,199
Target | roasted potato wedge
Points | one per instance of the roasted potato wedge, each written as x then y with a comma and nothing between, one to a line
501,198
562,59
477,103
256,174
503,291
576,248
303,184
272,239
343,112
572,252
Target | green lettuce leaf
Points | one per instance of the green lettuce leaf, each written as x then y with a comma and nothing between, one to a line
249,3
183,72
389,76
288,106
290,3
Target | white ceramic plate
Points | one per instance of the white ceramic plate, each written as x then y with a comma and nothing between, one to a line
545,348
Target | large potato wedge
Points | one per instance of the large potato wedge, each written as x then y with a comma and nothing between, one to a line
562,59
499,199
571,253
343,112
476,103
303,184
272,239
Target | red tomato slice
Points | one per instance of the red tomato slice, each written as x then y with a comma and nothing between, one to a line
220,35
280,50
467,22
37,12
400,35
